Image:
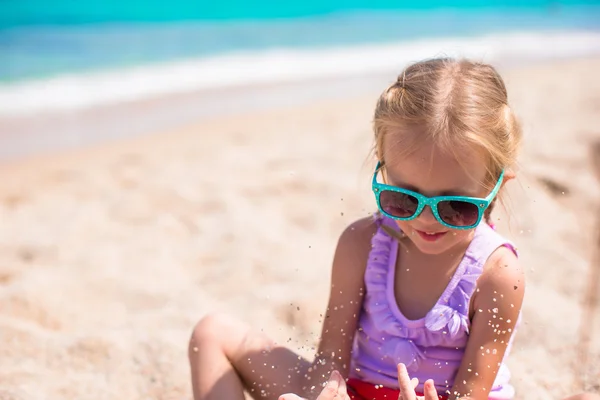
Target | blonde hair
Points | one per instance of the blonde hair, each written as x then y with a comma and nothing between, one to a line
459,103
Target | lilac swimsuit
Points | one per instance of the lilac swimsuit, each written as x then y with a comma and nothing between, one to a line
431,347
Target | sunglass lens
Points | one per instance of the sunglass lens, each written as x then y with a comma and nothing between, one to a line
458,213
398,204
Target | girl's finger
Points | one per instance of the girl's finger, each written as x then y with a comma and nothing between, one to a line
414,382
342,389
290,396
407,391
429,390
334,389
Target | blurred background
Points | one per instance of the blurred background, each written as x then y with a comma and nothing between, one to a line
69,56
163,160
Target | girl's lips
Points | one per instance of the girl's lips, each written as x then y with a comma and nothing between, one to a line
431,237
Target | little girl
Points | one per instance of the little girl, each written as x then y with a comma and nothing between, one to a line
427,283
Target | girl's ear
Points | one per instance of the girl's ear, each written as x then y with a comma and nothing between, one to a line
509,175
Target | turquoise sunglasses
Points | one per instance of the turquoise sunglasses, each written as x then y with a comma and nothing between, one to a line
455,212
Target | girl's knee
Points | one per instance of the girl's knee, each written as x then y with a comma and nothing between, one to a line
219,330
237,342
205,338
210,328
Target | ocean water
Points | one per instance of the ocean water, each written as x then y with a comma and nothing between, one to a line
66,54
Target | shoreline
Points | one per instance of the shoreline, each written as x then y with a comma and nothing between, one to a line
47,133
75,92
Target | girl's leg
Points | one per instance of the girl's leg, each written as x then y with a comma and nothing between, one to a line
226,357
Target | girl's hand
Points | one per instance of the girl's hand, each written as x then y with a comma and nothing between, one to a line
407,386
335,389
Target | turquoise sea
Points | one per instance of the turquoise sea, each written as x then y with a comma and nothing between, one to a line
114,49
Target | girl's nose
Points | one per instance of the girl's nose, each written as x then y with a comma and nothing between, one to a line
427,216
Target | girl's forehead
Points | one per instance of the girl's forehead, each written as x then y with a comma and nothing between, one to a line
433,170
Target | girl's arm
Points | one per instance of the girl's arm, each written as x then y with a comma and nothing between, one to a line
496,307
343,310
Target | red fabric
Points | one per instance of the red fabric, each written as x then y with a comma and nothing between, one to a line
360,390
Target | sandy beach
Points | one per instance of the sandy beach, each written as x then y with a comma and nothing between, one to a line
109,254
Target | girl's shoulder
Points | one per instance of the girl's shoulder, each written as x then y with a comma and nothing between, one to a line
354,246
359,233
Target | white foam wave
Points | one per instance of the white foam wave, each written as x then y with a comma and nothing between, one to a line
72,92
